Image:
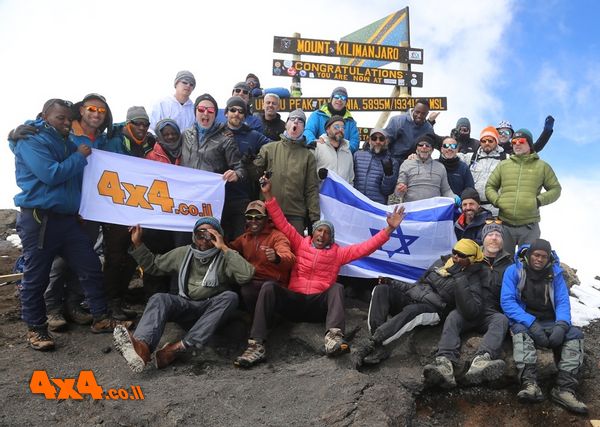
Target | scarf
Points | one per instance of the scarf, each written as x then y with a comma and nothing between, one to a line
288,137
173,150
203,133
335,112
211,278
129,134
450,164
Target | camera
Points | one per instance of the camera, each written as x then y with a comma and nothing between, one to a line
266,175
204,235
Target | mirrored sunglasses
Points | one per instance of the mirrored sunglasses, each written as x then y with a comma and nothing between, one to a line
340,97
453,146
208,110
94,109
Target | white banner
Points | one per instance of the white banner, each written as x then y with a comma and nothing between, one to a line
426,232
126,190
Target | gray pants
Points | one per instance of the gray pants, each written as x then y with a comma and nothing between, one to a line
519,235
493,323
206,316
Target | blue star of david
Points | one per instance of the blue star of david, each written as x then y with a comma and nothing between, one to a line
405,241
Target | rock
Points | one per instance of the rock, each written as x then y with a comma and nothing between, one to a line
570,275
8,221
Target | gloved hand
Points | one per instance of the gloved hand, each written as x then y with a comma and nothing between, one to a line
256,92
322,173
536,332
22,132
549,123
456,268
557,336
457,200
387,165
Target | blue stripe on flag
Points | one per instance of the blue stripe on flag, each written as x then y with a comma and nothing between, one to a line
386,267
337,191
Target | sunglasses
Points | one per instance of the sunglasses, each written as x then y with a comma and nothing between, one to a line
459,254
338,127
378,138
244,91
140,124
236,110
208,110
423,144
185,82
516,141
487,141
94,109
493,221
505,132
452,146
340,97
255,217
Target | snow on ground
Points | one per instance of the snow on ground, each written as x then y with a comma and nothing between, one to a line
14,239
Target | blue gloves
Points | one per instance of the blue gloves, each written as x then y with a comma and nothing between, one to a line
457,201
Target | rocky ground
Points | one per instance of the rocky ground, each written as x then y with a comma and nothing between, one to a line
298,386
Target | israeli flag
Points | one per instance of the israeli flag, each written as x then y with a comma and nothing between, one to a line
426,232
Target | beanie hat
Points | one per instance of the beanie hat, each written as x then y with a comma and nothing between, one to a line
242,86
185,75
205,96
297,114
108,120
426,137
505,124
326,223
210,220
470,193
236,101
463,121
137,113
488,228
540,244
332,120
525,133
490,131
340,90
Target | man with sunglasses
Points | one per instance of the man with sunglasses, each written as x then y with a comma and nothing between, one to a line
48,169
267,249
335,153
375,171
315,126
506,132
458,173
206,270
178,107
515,188
243,91
239,194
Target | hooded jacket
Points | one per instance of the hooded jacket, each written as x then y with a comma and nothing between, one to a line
473,230
403,132
315,126
482,165
369,177
514,281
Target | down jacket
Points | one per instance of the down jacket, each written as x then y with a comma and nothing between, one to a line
369,178
315,126
315,269
515,188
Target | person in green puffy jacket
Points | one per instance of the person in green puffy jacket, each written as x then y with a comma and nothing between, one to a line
515,188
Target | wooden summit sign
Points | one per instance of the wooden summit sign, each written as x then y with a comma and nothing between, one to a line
357,104
300,46
348,73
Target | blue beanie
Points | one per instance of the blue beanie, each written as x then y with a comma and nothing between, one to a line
210,220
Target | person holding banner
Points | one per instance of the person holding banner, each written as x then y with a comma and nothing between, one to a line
206,269
313,293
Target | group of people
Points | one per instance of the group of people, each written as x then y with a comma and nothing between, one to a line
277,255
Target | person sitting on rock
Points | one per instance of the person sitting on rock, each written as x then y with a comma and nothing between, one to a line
205,269
535,299
312,293
452,281
486,365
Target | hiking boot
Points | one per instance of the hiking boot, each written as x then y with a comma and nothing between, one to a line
39,338
361,352
483,368
56,322
530,393
168,353
379,354
135,352
334,342
568,400
440,373
254,354
107,324
79,316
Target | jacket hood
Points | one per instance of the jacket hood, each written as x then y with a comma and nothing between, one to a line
522,253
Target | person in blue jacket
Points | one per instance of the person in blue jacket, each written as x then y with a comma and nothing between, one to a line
535,299
315,126
48,168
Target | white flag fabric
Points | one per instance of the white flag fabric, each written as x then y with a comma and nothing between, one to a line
426,232
126,190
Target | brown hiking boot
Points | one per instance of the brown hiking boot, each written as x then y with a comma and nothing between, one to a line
107,324
79,316
168,353
39,338
135,352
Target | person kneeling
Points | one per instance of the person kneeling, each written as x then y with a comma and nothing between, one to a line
205,270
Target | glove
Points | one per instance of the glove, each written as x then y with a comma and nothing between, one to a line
457,200
456,268
536,332
22,132
256,92
322,173
557,336
549,123
387,165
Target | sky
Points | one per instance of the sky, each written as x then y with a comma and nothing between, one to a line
493,59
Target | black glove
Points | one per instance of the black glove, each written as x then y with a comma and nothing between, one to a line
322,173
456,268
22,132
536,332
557,336
549,123
387,165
